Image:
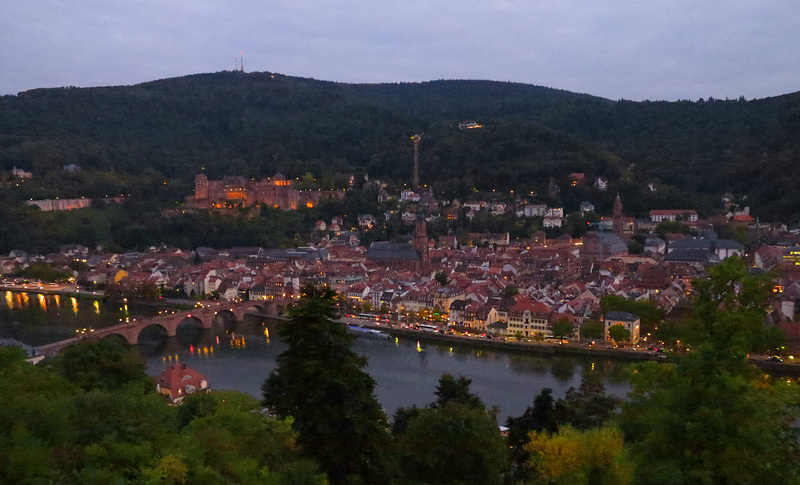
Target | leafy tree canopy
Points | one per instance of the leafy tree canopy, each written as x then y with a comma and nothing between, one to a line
579,457
562,328
62,424
619,333
592,330
714,418
456,428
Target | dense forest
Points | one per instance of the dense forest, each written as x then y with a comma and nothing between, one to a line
255,124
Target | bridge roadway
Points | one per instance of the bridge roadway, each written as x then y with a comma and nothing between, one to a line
203,316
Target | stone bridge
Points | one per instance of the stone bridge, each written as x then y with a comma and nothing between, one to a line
203,316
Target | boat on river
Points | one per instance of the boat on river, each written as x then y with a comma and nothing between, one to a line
366,332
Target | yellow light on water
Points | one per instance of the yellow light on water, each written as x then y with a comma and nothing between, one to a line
9,299
97,307
74,302
42,301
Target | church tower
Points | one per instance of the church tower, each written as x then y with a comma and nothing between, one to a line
616,220
421,241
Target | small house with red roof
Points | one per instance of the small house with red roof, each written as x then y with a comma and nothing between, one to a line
179,380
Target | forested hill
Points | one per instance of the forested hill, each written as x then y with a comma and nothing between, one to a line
258,123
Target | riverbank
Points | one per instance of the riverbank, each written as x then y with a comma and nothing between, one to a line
514,346
58,290
776,368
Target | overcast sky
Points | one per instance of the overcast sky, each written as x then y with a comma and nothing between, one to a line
635,49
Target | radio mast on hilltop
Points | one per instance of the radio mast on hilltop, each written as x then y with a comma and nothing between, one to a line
241,60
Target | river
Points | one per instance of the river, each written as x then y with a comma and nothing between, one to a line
406,371
37,319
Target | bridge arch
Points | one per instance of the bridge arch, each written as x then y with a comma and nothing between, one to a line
226,319
164,330
118,337
190,321
257,307
265,308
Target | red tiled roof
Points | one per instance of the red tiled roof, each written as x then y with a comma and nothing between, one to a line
178,380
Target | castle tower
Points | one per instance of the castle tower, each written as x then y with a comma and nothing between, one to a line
421,241
200,187
616,221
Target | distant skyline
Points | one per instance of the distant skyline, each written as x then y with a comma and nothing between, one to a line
657,50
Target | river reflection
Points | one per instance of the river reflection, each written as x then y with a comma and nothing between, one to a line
406,371
37,319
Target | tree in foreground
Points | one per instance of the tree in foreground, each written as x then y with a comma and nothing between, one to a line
540,418
587,407
699,422
573,457
453,440
729,310
320,383
713,418
452,390
454,444
58,424
226,442
103,364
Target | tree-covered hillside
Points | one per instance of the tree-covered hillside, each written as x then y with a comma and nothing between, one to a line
255,124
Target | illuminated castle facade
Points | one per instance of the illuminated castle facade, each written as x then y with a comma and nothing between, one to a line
275,192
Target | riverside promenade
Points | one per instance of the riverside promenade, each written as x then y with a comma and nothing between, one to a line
573,348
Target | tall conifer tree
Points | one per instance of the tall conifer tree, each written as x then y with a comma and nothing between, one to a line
320,382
